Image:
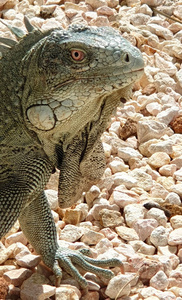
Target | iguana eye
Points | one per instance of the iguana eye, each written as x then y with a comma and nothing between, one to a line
77,55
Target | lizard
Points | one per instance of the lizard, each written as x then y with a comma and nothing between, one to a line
58,90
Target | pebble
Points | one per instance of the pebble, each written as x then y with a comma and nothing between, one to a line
133,212
141,247
125,179
122,199
110,218
159,236
150,129
161,146
142,145
167,170
118,166
177,188
116,284
127,152
28,260
17,276
158,215
16,237
91,237
159,159
67,292
159,281
175,237
38,287
52,197
71,233
128,234
144,227
176,221
144,180
167,115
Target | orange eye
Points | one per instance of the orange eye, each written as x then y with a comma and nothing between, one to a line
77,55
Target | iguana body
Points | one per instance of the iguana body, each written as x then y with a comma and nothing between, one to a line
58,90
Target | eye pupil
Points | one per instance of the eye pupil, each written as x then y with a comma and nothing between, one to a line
77,55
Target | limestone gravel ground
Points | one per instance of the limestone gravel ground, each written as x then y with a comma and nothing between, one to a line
143,148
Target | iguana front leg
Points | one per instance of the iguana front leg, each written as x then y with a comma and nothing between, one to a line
37,224
20,188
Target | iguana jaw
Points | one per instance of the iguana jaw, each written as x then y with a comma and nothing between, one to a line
46,116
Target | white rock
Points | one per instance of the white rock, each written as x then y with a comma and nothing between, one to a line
150,129
105,11
95,210
158,215
124,178
161,80
160,31
167,170
139,19
107,149
144,180
126,233
71,233
145,9
103,245
100,21
118,165
116,284
66,291
122,199
176,221
127,152
179,77
159,159
91,237
159,281
52,197
133,212
161,146
111,253
177,161
178,175
165,65
96,3
152,2
126,249
16,237
141,247
158,191
167,115
154,108
159,236
177,188
167,250
173,198
144,227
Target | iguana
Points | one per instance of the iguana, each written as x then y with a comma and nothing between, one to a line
58,90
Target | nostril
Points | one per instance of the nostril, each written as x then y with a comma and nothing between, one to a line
127,58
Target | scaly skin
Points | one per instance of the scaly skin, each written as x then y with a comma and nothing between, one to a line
58,90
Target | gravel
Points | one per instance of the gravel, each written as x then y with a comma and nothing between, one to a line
146,166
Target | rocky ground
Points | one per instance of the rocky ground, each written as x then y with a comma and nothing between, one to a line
135,212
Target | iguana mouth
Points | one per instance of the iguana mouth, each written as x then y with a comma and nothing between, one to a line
59,85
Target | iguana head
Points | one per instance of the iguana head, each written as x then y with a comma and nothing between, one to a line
67,71
70,69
